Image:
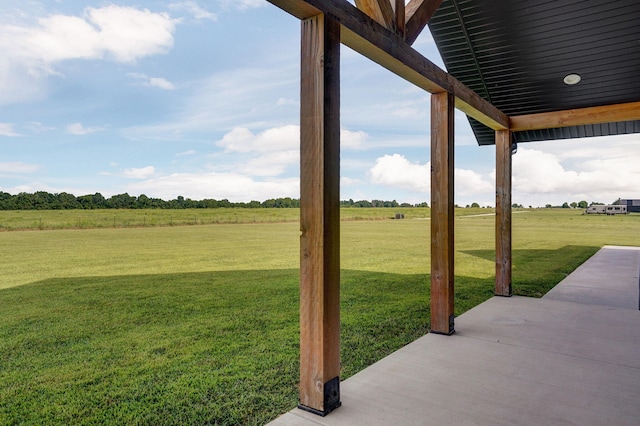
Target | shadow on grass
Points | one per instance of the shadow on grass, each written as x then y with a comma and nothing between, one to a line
206,348
535,272
192,348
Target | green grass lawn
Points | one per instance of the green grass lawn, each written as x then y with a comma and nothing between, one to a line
199,324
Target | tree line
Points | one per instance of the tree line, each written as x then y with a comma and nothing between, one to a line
42,200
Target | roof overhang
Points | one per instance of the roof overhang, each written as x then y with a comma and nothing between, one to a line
517,55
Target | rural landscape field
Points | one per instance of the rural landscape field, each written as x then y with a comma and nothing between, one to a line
191,316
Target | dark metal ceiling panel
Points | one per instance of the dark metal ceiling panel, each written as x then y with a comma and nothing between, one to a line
516,53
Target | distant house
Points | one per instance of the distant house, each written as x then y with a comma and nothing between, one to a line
633,206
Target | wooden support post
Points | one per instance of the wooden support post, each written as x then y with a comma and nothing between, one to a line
320,215
503,213
442,254
399,10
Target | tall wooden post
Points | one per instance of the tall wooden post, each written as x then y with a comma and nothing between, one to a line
503,213
320,216
442,254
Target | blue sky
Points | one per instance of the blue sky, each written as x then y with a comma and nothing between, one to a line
201,99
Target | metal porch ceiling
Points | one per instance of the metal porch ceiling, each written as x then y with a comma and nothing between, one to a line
516,53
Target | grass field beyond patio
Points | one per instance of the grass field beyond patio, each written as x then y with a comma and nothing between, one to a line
199,324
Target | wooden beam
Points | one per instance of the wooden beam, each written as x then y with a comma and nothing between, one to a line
364,35
503,213
320,215
442,220
418,15
399,10
576,117
380,10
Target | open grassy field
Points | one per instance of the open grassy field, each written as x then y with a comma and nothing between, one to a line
11,220
85,219
199,324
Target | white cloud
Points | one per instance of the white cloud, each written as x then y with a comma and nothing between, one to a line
185,153
139,173
287,137
267,153
161,83
31,52
193,8
396,171
242,140
232,186
347,181
270,164
352,139
6,129
271,151
600,176
467,183
37,127
125,33
129,34
158,82
18,167
78,129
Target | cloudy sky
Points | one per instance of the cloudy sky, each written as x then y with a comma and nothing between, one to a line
201,99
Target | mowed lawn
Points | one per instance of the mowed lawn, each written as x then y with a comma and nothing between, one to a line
199,324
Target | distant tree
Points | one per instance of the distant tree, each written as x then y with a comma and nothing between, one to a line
617,202
573,205
24,201
5,200
121,201
363,203
95,201
583,204
43,201
548,206
475,205
67,201
143,202
565,205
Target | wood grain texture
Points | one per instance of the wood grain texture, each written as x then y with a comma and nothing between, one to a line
576,117
418,15
380,11
399,8
442,213
319,209
503,213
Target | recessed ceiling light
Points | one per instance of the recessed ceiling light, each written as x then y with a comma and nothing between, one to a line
572,79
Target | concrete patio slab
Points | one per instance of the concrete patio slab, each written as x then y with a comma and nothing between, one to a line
512,361
610,278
